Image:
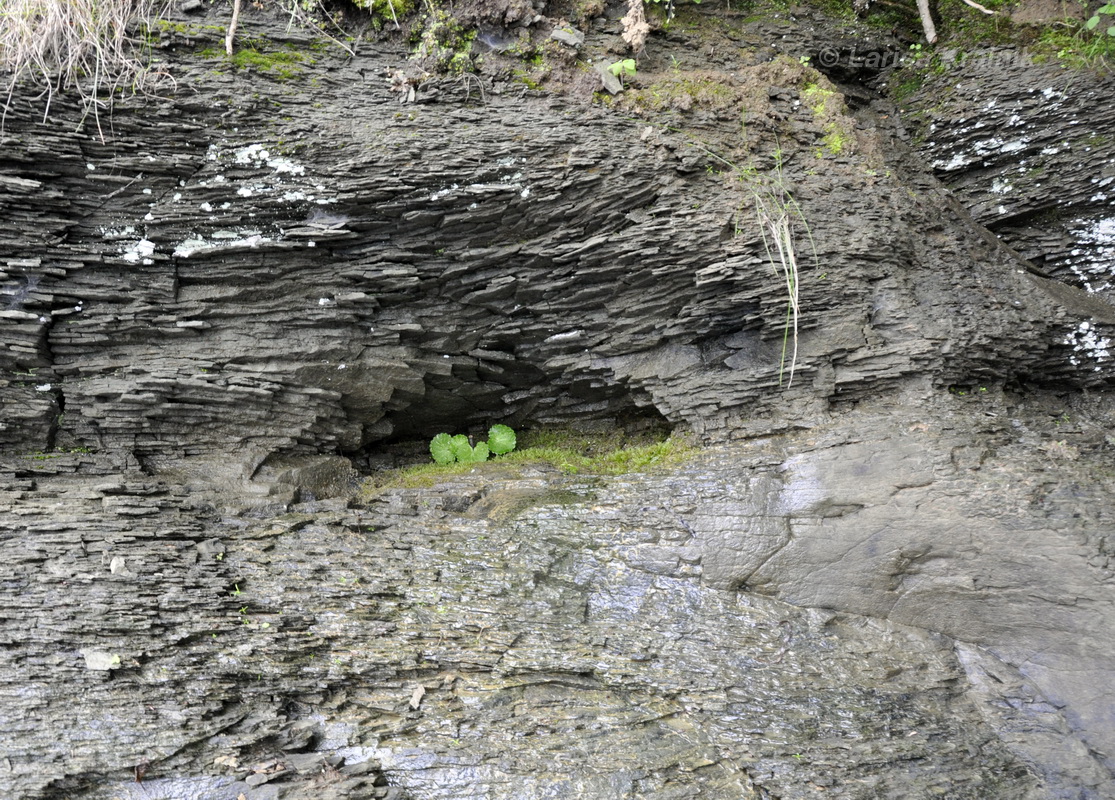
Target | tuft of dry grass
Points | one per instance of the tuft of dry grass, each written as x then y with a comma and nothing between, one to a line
88,46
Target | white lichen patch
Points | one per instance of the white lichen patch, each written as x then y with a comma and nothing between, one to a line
139,252
957,161
114,234
248,176
980,149
1088,344
1101,183
1093,259
275,174
511,180
440,193
221,240
565,336
257,155
187,247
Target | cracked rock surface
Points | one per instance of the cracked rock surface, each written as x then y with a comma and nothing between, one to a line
888,577
798,613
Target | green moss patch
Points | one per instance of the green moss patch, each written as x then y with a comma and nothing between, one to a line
446,43
282,65
827,105
565,450
684,92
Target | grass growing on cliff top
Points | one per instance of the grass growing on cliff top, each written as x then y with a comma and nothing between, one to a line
1078,47
84,45
569,451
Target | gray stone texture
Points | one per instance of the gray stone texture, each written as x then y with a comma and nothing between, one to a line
888,578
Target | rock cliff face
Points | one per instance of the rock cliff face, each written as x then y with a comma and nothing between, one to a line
1032,161
887,577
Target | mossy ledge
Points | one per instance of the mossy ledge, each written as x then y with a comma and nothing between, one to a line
563,449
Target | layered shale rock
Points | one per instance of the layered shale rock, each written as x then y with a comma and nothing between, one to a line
889,576
1033,161
315,263
516,638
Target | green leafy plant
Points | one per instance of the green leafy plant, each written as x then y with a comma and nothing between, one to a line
1087,45
565,450
441,448
623,69
1107,10
501,439
447,449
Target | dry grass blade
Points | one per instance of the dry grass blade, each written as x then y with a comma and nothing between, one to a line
776,221
777,213
83,45
303,12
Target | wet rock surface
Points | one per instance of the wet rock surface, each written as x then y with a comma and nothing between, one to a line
754,624
890,578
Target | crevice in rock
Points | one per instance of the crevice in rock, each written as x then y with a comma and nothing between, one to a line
410,446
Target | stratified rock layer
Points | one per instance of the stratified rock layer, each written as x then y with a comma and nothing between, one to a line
1032,160
524,633
895,582
323,267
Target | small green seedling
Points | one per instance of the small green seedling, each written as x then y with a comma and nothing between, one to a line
623,69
